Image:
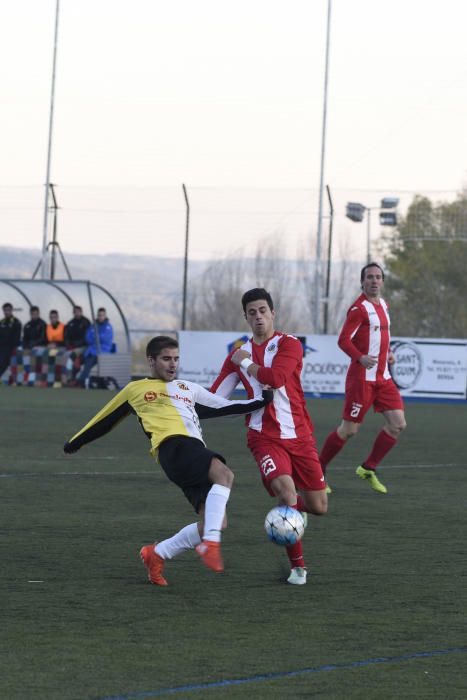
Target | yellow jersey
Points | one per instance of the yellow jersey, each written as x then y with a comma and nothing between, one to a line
164,409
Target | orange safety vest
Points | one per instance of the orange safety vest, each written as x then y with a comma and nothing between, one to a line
55,335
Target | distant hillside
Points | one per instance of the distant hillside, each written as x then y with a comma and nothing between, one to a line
149,289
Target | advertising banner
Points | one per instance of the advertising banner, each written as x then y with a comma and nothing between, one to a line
324,365
430,367
427,367
202,353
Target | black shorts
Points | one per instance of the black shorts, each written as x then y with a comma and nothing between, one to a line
186,461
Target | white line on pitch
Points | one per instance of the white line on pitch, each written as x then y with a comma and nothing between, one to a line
403,466
39,474
155,472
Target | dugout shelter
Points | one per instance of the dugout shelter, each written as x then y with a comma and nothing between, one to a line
62,295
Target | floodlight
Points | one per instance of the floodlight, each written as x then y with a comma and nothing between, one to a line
387,218
355,211
389,202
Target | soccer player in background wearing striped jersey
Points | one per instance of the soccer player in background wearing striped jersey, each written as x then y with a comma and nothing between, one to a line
168,410
365,337
280,436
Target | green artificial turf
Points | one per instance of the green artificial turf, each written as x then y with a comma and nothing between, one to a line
80,621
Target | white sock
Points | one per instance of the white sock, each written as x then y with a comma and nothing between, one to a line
187,538
214,512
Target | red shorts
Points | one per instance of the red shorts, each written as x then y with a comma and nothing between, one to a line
361,395
297,458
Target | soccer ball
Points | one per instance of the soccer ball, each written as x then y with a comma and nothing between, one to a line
284,525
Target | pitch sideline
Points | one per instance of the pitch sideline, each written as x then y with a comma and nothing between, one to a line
287,674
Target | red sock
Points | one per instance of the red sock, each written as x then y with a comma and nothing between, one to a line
381,446
301,505
295,554
295,551
332,445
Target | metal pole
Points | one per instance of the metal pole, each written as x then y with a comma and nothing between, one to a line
185,267
317,310
49,148
328,271
368,225
54,236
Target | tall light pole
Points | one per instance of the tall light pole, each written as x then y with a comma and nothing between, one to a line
328,266
185,263
49,149
368,235
317,300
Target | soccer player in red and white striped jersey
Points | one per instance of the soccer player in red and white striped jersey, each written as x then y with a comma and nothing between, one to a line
281,435
365,337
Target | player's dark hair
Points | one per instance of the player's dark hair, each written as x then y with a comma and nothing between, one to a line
77,308
101,309
7,305
255,295
159,343
33,308
371,264
53,311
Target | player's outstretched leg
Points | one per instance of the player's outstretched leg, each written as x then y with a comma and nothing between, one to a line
214,515
297,576
370,475
302,509
367,470
210,553
298,570
332,446
155,556
154,564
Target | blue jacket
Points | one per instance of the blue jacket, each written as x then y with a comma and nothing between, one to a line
106,336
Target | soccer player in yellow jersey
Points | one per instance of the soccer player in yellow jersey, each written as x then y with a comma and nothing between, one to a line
169,410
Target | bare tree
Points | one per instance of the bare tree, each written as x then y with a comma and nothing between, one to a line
279,276
215,297
343,286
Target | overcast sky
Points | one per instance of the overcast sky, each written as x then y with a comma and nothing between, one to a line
220,94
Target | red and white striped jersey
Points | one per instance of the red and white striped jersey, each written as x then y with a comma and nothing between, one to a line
280,359
366,332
